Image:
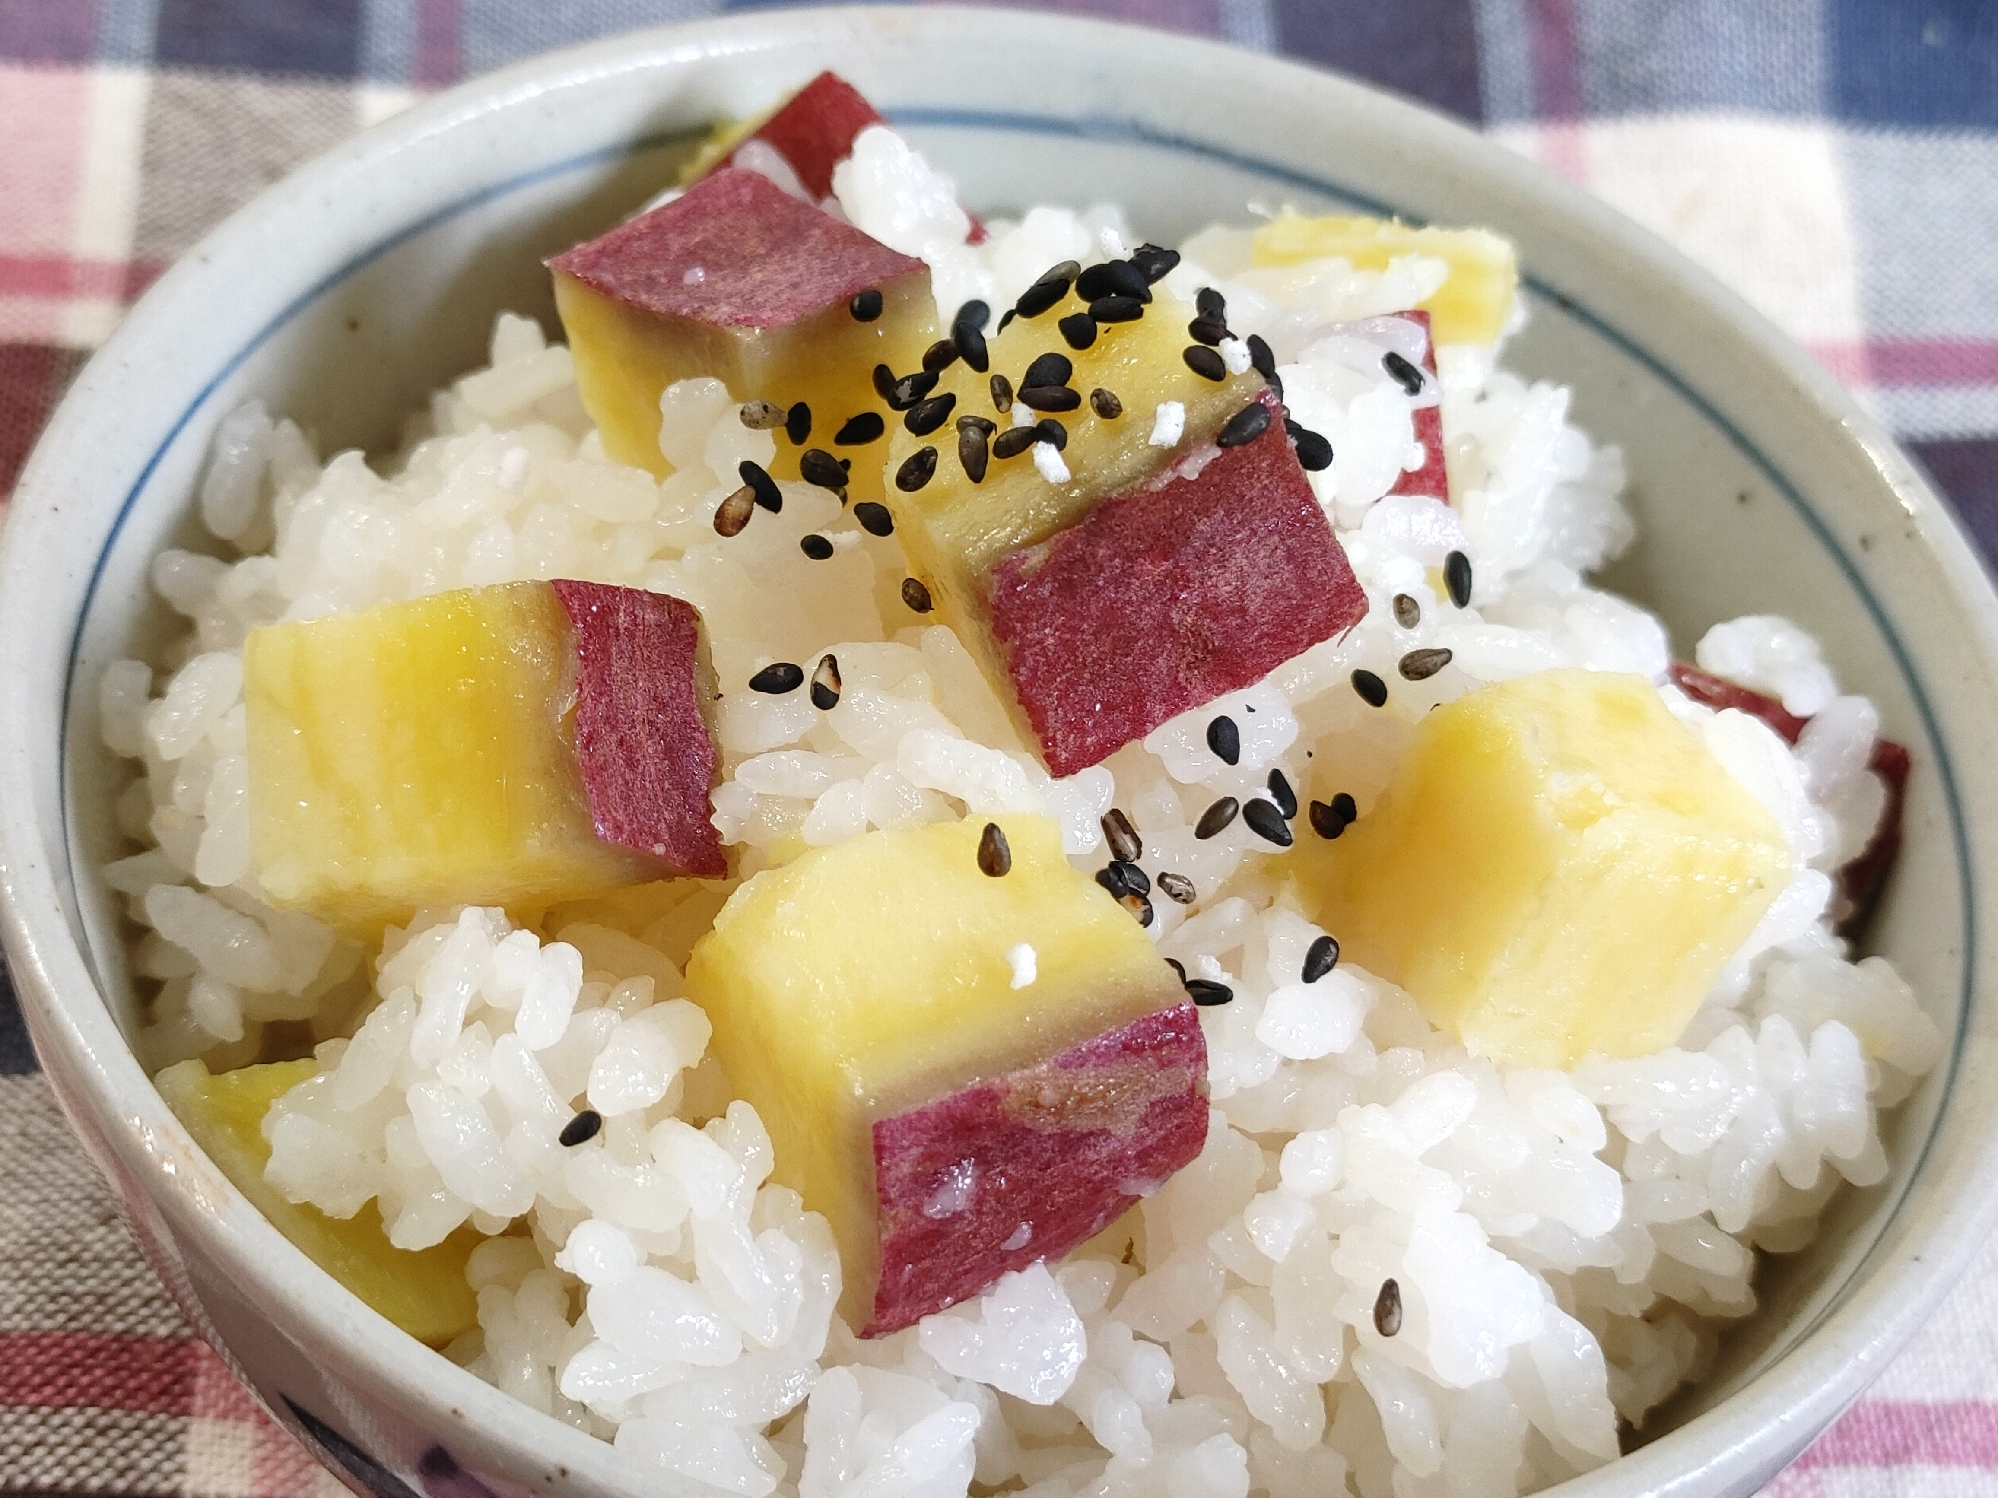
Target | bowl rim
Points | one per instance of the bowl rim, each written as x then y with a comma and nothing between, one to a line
113,1104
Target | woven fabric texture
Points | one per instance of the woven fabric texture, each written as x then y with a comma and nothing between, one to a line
1835,161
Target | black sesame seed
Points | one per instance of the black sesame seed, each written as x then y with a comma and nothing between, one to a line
1125,279
733,513
1314,453
1225,740
884,382
1078,330
1204,362
1420,665
1006,317
1048,290
1116,309
867,306
1125,844
1320,958
972,449
1049,369
1154,262
798,424
825,684
1372,690
1002,394
1457,578
911,388
971,421
1211,303
1178,888
1266,821
1014,441
1326,820
917,470
995,858
1206,330
967,331
1053,433
765,487
1094,282
1282,794
1207,993
761,416
1216,818
1178,967
1387,1309
1138,905
1261,359
915,596
1111,878
1405,374
1346,808
816,546
1049,398
820,468
939,356
926,416
1134,878
1407,612
1245,426
874,518
778,678
581,1129
860,430
1105,403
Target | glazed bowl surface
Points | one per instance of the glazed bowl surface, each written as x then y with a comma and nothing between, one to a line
348,291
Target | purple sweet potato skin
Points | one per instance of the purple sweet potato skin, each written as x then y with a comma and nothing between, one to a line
647,759
1064,1147
766,259
1433,477
1164,598
814,130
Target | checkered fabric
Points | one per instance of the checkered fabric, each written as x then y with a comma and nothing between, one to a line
1836,161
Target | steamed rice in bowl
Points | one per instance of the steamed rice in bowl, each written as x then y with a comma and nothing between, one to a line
1391,1261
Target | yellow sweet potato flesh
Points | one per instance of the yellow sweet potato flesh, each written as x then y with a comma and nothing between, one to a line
1472,306
1557,866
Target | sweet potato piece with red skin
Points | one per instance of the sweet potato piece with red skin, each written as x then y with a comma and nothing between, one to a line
1168,595
814,132
765,258
642,739
1060,1148
1864,876
1433,477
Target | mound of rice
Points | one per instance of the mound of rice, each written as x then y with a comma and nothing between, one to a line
1565,1246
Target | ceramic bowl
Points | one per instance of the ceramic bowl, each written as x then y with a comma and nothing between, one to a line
346,292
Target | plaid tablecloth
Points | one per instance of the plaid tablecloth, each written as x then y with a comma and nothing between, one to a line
1835,160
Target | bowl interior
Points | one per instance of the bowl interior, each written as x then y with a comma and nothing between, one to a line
1755,491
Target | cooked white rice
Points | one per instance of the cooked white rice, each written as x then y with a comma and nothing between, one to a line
1568,1246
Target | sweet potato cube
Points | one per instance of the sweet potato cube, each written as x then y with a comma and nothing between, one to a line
964,1071
813,130
1150,580
424,1291
738,280
1557,866
513,745
1473,305
1166,596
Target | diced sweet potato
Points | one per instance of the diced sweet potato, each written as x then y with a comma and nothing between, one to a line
813,130
1166,596
517,745
966,1062
738,280
1864,876
1473,305
1557,866
423,1292
1433,477
1106,602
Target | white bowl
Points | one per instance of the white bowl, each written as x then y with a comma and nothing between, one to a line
350,289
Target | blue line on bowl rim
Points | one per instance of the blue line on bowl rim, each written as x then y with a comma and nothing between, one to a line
1133,132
